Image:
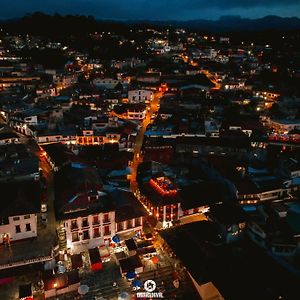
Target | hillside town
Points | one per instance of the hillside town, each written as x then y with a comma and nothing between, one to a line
149,154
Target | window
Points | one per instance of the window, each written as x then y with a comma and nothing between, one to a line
95,220
138,222
28,227
106,218
106,230
16,218
75,237
18,229
74,224
120,226
129,224
96,232
86,235
27,217
85,222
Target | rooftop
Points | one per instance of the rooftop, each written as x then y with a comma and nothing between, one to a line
21,198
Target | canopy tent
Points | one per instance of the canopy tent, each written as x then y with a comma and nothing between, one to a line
123,296
116,239
130,275
155,259
83,289
137,283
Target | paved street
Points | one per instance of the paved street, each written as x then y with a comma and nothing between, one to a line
137,159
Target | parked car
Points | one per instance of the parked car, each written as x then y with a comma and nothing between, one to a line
44,208
44,218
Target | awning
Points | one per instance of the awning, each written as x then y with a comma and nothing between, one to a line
76,261
131,245
130,275
116,239
126,235
137,283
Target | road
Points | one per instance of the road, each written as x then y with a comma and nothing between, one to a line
137,158
212,78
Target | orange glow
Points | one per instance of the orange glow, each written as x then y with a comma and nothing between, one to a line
164,186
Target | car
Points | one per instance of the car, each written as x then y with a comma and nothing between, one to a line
44,207
44,218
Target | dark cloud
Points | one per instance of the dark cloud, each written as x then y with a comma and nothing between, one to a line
151,9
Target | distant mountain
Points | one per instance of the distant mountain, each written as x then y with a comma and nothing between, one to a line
231,23
43,24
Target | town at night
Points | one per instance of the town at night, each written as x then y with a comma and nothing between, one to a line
149,150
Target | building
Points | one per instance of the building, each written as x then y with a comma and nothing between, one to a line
18,211
17,163
284,126
231,220
161,198
106,83
89,216
138,96
131,111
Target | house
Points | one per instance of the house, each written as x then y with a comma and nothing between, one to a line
89,216
18,210
28,82
130,111
284,126
22,120
60,284
8,136
129,214
231,220
138,96
270,228
106,83
150,77
16,163
57,155
162,199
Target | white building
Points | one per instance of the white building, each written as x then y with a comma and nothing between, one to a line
106,83
89,217
137,96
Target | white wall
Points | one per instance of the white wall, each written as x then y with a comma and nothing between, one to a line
92,242
137,96
11,228
107,83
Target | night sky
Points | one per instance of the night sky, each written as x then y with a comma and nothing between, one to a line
153,9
